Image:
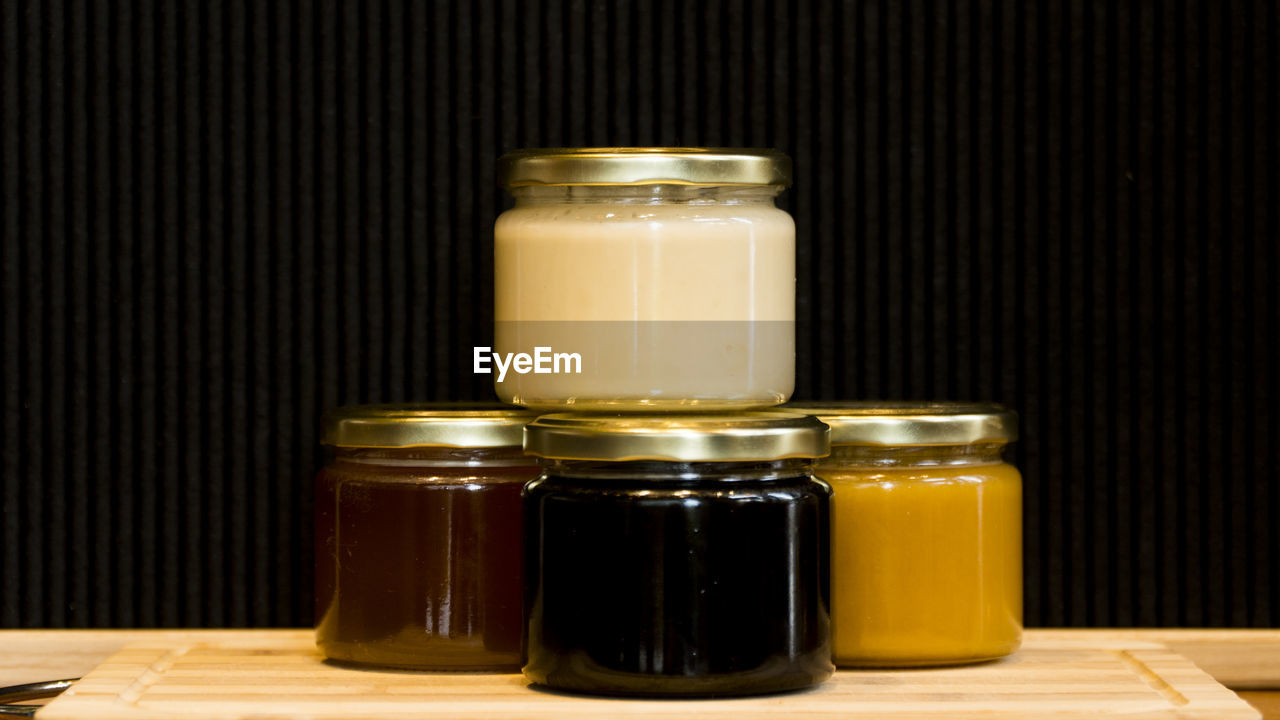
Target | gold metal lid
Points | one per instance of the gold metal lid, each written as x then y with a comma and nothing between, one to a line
914,423
762,435
459,425
644,166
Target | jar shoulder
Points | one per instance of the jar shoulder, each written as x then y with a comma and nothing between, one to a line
373,474
998,473
532,216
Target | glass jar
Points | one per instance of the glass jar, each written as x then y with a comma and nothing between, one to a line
926,533
652,279
677,556
419,553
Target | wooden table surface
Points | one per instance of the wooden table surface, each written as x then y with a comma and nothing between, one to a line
1247,661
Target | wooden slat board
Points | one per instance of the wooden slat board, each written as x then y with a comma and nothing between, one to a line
279,674
1239,659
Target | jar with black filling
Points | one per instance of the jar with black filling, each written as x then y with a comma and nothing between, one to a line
677,556
419,554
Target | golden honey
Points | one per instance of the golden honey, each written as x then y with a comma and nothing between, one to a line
926,536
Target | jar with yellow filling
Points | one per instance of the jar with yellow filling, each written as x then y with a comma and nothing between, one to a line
926,533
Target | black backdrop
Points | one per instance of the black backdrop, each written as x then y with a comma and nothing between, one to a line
221,219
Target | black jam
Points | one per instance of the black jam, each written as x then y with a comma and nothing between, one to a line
677,579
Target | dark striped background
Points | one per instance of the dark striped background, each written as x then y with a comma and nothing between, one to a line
220,219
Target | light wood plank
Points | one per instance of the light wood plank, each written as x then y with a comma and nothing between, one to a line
279,674
1239,659
28,656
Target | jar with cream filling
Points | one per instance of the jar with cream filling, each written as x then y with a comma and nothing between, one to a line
419,554
652,279
677,555
926,533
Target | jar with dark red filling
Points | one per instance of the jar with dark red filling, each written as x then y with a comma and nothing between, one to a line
419,537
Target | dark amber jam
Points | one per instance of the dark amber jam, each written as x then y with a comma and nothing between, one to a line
419,557
677,579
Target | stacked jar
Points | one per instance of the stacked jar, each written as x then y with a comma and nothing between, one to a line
669,273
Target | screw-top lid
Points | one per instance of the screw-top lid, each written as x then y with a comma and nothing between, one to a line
644,166
459,425
762,435
913,423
